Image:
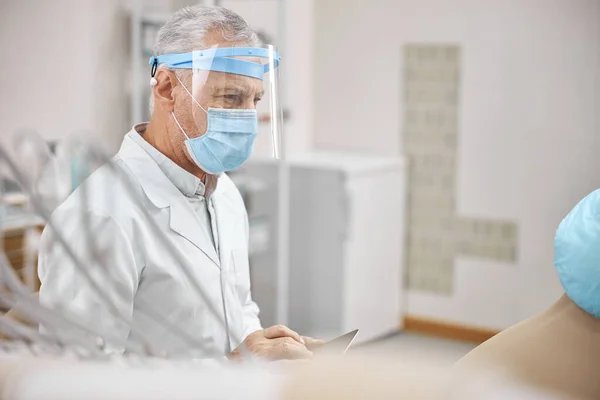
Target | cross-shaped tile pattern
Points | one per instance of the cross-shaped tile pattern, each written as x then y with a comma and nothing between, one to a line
436,234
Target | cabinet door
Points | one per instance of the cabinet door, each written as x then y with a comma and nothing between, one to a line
373,285
317,235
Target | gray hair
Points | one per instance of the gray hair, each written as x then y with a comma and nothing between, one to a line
185,30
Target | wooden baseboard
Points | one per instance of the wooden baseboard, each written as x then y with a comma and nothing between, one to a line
447,330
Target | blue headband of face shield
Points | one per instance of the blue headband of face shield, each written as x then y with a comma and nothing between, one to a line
219,60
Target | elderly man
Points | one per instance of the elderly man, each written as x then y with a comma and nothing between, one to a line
160,234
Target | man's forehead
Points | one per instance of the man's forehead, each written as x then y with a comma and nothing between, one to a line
217,81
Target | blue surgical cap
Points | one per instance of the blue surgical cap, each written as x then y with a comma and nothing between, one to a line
577,253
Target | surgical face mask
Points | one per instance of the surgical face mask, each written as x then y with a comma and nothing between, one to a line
228,141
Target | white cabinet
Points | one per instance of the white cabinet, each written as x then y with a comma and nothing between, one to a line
345,242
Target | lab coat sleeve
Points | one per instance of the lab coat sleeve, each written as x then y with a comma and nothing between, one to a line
250,308
66,287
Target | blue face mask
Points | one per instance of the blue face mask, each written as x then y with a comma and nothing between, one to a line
228,141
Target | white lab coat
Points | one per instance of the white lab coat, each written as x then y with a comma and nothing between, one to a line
139,273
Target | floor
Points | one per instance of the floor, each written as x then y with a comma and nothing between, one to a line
424,348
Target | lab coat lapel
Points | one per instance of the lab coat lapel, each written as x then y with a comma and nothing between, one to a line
162,193
225,225
230,217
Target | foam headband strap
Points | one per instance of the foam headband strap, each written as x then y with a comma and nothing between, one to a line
219,60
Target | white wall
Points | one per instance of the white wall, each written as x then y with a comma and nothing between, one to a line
529,135
62,70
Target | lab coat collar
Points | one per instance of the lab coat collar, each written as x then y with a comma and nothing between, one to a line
188,184
162,193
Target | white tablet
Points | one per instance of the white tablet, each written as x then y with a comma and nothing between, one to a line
340,344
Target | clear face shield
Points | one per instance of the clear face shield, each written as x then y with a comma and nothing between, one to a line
233,103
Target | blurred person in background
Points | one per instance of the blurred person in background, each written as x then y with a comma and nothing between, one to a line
203,123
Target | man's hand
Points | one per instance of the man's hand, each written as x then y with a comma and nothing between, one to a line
275,343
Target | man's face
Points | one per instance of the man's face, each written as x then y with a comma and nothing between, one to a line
215,90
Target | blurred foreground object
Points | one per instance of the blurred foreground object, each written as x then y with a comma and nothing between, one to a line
29,378
21,318
559,349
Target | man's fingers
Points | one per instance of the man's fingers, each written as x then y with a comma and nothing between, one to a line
312,342
281,331
289,349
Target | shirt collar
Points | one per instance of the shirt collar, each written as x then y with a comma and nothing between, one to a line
188,184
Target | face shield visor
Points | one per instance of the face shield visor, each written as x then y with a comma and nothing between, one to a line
233,101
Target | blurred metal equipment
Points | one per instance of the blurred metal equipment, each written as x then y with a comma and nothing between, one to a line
25,378
345,242
57,329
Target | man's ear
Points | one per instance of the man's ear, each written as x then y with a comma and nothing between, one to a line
163,90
